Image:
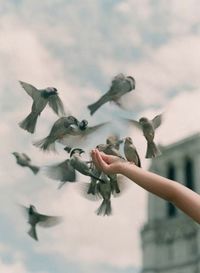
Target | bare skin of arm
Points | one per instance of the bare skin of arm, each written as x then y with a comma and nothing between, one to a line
182,197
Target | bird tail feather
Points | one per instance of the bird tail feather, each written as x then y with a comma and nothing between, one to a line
45,144
29,123
32,233
95,106
105,208
35,169
152,150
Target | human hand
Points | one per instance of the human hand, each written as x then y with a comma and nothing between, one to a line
109,164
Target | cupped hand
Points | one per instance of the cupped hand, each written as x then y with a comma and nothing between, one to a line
109,164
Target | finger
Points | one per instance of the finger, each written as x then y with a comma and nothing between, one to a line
101,163
104,156
94,159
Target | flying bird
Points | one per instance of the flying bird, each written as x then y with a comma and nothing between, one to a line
40,97
119,87
23,160
35,218
62,127
130,152
148,127
80,134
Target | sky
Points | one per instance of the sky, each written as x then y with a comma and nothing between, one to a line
78,47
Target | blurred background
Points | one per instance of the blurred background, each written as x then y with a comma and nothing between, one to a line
78,47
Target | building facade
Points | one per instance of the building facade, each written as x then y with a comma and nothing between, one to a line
170,239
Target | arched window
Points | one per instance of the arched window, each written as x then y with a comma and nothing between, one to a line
171,174
189,173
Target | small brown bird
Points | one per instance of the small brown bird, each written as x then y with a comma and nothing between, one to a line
23,160
148,127
130,152
35,218
41,97
120,86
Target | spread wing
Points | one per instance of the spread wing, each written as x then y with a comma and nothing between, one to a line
62,172
24,210
48,221
156,121
26,157
56,104
30,90
92,129
132,122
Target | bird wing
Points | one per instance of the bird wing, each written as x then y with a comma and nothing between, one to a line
26,157
48,221
92,129
30,90
24,209
56,104
133,122
62,171
156,121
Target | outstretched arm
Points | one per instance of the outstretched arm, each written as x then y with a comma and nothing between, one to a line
182,197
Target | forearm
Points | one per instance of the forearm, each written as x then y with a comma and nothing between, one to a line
182,197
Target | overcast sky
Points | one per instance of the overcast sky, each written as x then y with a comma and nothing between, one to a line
78,47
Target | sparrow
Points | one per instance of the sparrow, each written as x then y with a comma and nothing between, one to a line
115,141
92,188
35,218
130,152
80,134
63,126
120,86
41,97
25,161
105,189
148,127
108,149
80,165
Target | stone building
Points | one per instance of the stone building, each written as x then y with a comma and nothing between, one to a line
170,239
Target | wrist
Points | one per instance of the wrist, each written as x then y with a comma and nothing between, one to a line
122,169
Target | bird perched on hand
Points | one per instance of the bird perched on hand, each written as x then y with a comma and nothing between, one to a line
63,172
108,149
119,87
63,126
112,146
80,165
130,151
35,218
148,127
25,161
41,97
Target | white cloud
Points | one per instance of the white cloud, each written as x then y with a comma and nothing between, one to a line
16,263
90,45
